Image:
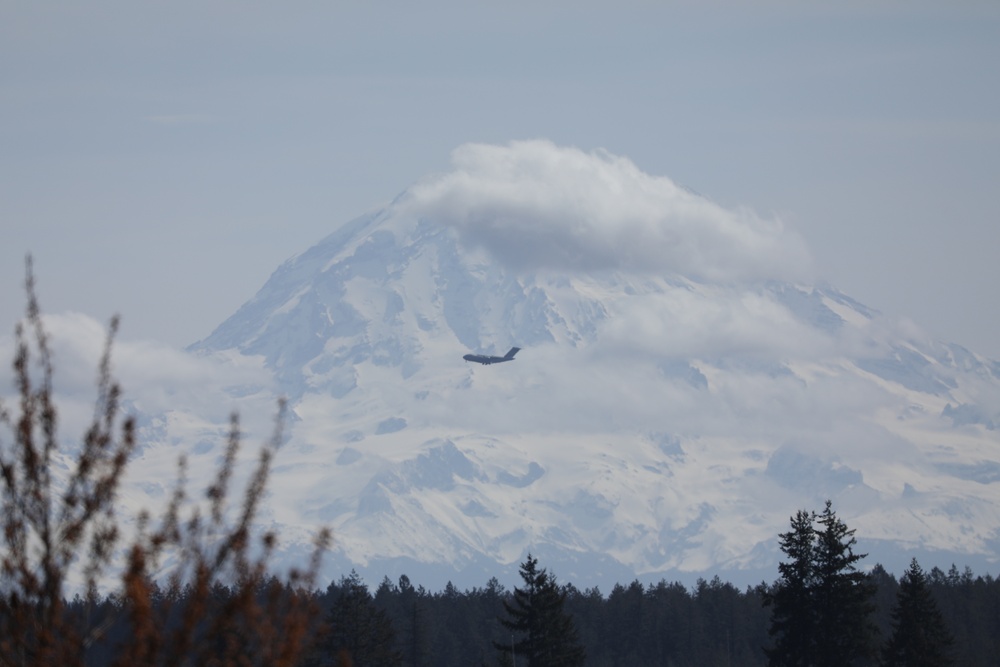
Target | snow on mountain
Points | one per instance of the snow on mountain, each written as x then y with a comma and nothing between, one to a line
684,387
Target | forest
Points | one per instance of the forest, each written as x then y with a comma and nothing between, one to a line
710,624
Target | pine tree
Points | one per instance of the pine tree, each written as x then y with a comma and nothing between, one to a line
822,603
844,596
548,637
358,632
406,608
793,619
919,637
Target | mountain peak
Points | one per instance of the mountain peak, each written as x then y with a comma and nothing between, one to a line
683,388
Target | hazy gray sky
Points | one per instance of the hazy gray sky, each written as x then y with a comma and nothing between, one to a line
161,159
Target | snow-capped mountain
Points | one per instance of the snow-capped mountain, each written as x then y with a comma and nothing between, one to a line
684,386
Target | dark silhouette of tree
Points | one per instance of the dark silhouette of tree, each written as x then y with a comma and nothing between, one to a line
821,604
920,637
629,619
675,622
711,623
843,596
542,633
357,633
723,625
410,606
793,618
886,588
57,523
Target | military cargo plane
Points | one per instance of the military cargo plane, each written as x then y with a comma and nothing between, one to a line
486,359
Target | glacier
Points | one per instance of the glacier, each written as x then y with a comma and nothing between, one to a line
659,422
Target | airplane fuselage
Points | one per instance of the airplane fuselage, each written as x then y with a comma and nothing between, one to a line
487,359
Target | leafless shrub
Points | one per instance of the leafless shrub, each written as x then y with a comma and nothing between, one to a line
218,606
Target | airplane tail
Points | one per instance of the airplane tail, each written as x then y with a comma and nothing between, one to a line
510,353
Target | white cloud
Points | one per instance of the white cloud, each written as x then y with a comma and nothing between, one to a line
154,377
536,205
728,323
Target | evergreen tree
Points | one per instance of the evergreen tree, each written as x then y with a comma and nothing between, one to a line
358,632
548,637
822,605
886,589
919,637
625,622
843,596
793,618
414,625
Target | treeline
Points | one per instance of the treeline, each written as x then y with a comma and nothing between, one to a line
667,623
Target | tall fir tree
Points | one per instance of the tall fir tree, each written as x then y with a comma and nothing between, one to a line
357,633
920,637
822,604
414,625
793,618
542,634
844,596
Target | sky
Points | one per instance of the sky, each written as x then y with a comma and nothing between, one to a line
160,160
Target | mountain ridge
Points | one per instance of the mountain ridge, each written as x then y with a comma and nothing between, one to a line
654,425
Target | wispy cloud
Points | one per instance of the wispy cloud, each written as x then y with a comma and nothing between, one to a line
155,377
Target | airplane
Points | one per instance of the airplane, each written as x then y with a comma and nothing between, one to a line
486,359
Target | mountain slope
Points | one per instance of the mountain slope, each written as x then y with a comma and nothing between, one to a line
661,420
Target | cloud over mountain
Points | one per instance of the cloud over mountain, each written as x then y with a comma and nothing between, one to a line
155,377
535,205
